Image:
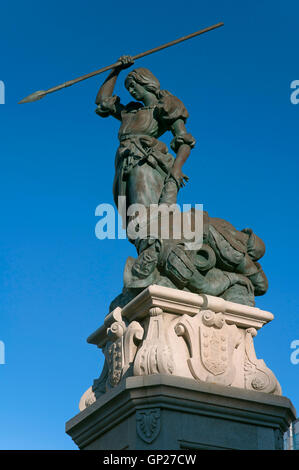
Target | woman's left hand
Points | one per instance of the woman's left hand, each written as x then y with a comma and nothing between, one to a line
179,176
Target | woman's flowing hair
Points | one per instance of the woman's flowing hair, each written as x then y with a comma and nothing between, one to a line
148,80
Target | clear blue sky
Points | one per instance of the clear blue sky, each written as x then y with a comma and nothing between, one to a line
57,163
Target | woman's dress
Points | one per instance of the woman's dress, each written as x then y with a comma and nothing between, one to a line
142,162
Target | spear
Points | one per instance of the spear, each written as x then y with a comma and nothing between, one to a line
38,95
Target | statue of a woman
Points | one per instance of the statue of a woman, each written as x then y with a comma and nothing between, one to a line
146,173
144,170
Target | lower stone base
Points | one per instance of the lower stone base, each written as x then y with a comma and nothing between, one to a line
164,412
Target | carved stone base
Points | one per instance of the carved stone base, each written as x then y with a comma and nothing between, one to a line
167,332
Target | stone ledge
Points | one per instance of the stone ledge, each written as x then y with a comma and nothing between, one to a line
179,395
180,302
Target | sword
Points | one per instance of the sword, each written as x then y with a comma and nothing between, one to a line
38,95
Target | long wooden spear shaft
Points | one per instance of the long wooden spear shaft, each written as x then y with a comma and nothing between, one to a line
40,94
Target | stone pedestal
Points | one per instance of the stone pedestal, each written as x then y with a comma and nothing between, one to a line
181,372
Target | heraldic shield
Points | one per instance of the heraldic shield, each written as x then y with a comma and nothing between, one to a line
148,424
211,344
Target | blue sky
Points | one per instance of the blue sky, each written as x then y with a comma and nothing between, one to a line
57,161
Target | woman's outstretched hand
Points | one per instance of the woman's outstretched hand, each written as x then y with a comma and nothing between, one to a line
126,61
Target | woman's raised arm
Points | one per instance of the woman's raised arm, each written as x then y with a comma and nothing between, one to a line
106,90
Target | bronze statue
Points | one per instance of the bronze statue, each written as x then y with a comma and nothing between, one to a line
146,173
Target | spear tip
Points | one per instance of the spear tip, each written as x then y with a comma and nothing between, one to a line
37,95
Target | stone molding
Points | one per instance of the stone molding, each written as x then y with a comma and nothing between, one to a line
136,395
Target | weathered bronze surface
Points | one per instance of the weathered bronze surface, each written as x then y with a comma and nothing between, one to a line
226,265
